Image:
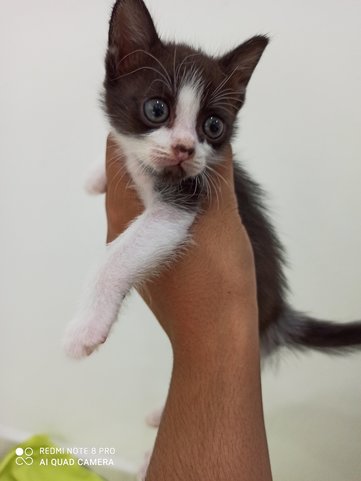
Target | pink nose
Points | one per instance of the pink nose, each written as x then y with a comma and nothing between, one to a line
183,152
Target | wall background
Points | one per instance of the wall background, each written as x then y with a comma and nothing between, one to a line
300,137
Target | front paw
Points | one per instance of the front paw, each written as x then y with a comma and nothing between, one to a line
154,418
142,472
96,181
82,339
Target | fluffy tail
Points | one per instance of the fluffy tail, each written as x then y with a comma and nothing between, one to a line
295,329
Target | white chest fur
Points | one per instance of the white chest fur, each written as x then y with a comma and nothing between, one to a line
137,254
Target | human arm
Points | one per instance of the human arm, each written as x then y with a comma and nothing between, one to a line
212,427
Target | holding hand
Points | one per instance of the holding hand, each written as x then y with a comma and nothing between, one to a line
216,266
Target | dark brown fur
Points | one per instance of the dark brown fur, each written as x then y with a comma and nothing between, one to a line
140,66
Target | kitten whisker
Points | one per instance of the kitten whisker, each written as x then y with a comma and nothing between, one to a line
166,76
182,64
112,162
165,80
224,81
205,183
118,177
155,80
226,107
195,186
209,191
118,158
194,77
161,151
174,69
222,98
214,187
226,91
159,63
217,174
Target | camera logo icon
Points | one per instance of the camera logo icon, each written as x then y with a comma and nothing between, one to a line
24,456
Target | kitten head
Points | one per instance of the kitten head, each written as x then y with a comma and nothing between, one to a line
172,107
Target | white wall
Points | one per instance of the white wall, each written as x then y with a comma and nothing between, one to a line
300,137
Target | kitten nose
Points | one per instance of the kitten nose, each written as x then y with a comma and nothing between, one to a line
183,152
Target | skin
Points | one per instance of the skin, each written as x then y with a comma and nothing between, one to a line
212,426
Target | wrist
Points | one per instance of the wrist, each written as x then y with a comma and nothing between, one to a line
218,339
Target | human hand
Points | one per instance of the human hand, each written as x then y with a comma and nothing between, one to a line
193,295
206,301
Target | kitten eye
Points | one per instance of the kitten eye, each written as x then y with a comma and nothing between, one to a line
213,127
156,111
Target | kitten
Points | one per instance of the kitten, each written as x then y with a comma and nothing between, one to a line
173,109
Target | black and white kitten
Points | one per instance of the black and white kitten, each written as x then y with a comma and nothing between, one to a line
173,109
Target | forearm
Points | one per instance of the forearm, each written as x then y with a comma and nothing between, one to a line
212,427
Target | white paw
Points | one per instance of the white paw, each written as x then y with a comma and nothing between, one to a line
142,473
82,339
153,419
96,181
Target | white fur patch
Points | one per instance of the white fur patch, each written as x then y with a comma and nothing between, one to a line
138,253
154,418
142,472
96,181
187,110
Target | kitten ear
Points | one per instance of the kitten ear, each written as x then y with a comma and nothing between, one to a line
131,28
240,63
